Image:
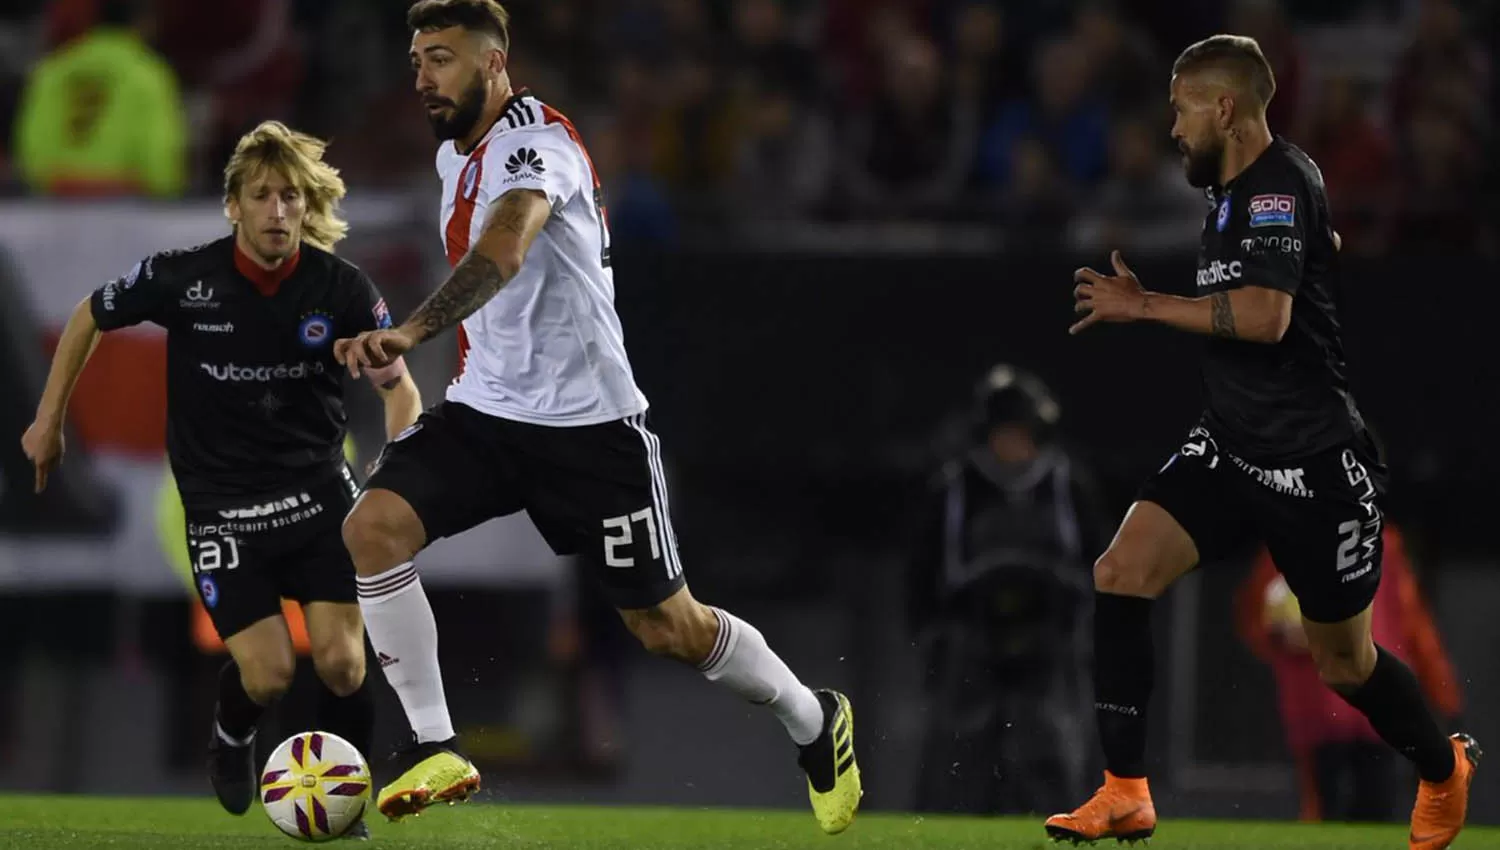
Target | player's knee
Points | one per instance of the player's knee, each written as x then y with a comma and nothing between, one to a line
341,668
1120,574
375,539
267,679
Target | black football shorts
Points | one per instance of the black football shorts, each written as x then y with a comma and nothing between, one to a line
251,553
1319,517
595,491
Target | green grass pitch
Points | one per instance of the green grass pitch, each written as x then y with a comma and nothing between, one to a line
148,823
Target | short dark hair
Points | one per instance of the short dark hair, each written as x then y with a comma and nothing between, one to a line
484,16
1238,55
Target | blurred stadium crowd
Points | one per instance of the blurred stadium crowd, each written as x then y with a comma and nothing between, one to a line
1042,119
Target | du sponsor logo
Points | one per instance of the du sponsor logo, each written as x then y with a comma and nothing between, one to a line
199,297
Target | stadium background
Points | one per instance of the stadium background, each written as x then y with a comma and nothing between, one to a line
829,218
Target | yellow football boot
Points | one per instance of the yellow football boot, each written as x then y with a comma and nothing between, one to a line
431,772
833,783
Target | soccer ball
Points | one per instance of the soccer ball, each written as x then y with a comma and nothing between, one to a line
315,787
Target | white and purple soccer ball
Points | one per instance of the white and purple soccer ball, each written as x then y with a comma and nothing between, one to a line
316,786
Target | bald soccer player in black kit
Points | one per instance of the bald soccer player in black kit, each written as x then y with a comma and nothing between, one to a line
1280,456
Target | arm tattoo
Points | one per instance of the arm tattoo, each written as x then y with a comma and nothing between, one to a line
1223,315
510,216
475,279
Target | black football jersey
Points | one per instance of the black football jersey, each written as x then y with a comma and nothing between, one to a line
1270,226
255,399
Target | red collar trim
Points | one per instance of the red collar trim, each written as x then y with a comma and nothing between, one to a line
266,281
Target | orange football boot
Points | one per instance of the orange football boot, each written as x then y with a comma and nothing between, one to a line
1441,806
1121,810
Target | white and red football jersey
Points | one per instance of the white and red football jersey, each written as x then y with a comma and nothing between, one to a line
548,349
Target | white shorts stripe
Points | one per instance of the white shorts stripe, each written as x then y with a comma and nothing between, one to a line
668,531
658,493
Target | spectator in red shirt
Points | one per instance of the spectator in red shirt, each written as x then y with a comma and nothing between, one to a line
1345,771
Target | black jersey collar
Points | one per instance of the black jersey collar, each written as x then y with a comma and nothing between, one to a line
1276,143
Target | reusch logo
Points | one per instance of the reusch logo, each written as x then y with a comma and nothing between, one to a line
1219,271
525,158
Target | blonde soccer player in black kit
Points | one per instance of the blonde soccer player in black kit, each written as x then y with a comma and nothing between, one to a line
1281,455
255,432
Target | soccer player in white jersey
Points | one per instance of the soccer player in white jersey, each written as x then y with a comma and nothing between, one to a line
545,417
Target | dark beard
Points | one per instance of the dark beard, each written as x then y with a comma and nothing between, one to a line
465,113
1204,166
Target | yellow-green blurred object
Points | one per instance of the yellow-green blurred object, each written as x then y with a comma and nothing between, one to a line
1282,608
103,108
171,523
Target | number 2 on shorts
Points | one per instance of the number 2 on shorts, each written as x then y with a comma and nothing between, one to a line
1349,531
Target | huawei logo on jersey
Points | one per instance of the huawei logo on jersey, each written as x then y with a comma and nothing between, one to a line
525,158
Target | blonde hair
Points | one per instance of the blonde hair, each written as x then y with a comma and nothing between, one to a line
299,158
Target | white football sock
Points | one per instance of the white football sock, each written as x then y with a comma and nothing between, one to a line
404,634
743,662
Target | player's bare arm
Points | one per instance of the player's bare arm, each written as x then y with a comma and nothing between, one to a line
1250,313
43,441
513,224
403,402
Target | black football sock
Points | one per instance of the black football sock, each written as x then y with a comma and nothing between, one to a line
236,712
1123,676
1392,701
351,718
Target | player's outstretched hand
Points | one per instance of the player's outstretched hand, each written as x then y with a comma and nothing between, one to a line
1107,298
373,349
43,445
